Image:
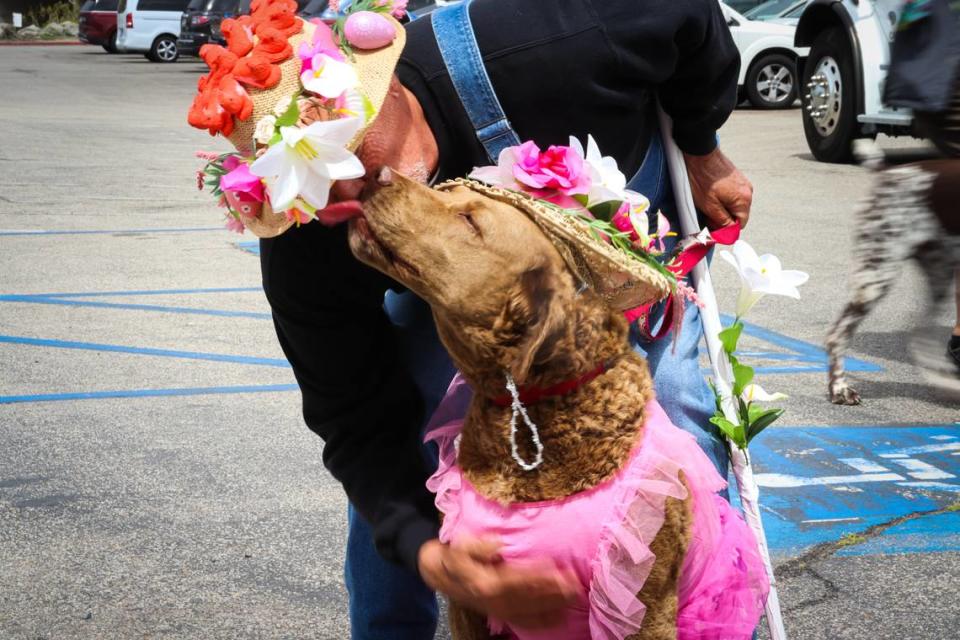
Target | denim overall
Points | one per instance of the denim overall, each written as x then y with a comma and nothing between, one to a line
388,602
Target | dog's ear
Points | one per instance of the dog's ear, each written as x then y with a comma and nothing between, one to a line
536,312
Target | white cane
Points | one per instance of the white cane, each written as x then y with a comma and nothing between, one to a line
722,371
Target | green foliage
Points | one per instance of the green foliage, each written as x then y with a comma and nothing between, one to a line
731,336
742,376
290,116
63,11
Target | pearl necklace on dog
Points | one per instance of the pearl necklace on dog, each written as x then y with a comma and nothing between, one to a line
517,408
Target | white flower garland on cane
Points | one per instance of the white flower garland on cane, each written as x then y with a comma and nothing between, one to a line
517,408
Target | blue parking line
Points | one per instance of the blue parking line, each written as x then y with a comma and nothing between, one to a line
84,232
151,292
821,483
136,307
148,393
800,351
145,351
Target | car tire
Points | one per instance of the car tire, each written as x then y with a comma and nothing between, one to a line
771,82
164,49
829,100
111,46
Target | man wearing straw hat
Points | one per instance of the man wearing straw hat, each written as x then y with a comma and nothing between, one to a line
476,78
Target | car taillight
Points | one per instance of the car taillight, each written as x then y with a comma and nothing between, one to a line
199,20
129,21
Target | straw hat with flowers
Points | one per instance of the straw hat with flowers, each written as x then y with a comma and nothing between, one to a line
295,99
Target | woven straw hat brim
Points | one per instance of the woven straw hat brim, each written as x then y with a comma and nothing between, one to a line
623,282
375,70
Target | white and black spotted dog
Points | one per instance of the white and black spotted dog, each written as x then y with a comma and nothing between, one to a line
913,212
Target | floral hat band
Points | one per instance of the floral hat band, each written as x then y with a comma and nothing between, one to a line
295,99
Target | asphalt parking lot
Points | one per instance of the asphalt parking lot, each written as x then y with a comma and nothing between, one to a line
156,479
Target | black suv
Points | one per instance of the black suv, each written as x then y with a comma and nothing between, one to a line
200,23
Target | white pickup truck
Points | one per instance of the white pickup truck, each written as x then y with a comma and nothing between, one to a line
842,79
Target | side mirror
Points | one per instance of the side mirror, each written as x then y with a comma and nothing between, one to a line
732,22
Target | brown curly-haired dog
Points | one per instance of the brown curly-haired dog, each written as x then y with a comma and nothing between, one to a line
503,300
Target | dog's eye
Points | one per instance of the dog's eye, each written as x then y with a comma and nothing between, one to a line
468,219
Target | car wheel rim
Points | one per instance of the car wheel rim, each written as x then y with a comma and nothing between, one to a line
774,83
166,50
825,99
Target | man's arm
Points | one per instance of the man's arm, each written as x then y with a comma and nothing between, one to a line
328,312
701,93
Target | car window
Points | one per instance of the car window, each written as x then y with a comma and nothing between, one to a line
162,5
87,6
796,12
104,5
196,5
314,7
122,7
768,9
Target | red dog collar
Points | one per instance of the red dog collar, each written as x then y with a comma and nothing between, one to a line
532,395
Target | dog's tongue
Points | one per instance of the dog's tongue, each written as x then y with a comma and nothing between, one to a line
340,212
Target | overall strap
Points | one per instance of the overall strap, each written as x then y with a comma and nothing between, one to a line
461,54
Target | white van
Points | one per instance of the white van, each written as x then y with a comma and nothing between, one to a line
150,27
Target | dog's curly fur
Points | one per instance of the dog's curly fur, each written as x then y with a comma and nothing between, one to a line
526,317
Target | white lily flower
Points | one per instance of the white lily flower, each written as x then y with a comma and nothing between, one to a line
305,162
761,275
607,181
755,393
329,77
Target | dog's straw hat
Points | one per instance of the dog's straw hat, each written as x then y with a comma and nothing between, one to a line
624,282
375,71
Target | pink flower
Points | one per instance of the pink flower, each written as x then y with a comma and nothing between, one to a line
234,224
323,42
200,180
397,7
621,219
241,183
559,168
205,155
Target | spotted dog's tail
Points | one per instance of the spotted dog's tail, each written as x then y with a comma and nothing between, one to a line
869,154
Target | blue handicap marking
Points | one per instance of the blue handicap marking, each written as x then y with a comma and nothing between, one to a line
771,352
99,300
819,483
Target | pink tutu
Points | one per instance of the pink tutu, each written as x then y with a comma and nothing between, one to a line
603,535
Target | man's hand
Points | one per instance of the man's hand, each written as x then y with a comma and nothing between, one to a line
474,575
400,138
720,191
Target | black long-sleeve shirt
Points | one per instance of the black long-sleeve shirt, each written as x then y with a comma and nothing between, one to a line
560,68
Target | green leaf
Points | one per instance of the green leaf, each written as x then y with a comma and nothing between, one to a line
605,210
743,410
733,431
761,422
290,116
730,336
742,376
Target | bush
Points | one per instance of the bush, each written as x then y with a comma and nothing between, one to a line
63,11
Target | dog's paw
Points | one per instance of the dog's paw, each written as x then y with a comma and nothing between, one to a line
842,394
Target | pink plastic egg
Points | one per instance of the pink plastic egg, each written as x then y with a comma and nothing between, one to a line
369,30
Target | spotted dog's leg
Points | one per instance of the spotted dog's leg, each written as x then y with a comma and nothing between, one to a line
891,227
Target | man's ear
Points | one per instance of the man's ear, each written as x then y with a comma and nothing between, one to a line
537,312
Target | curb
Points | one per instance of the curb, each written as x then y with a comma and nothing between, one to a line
39,43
